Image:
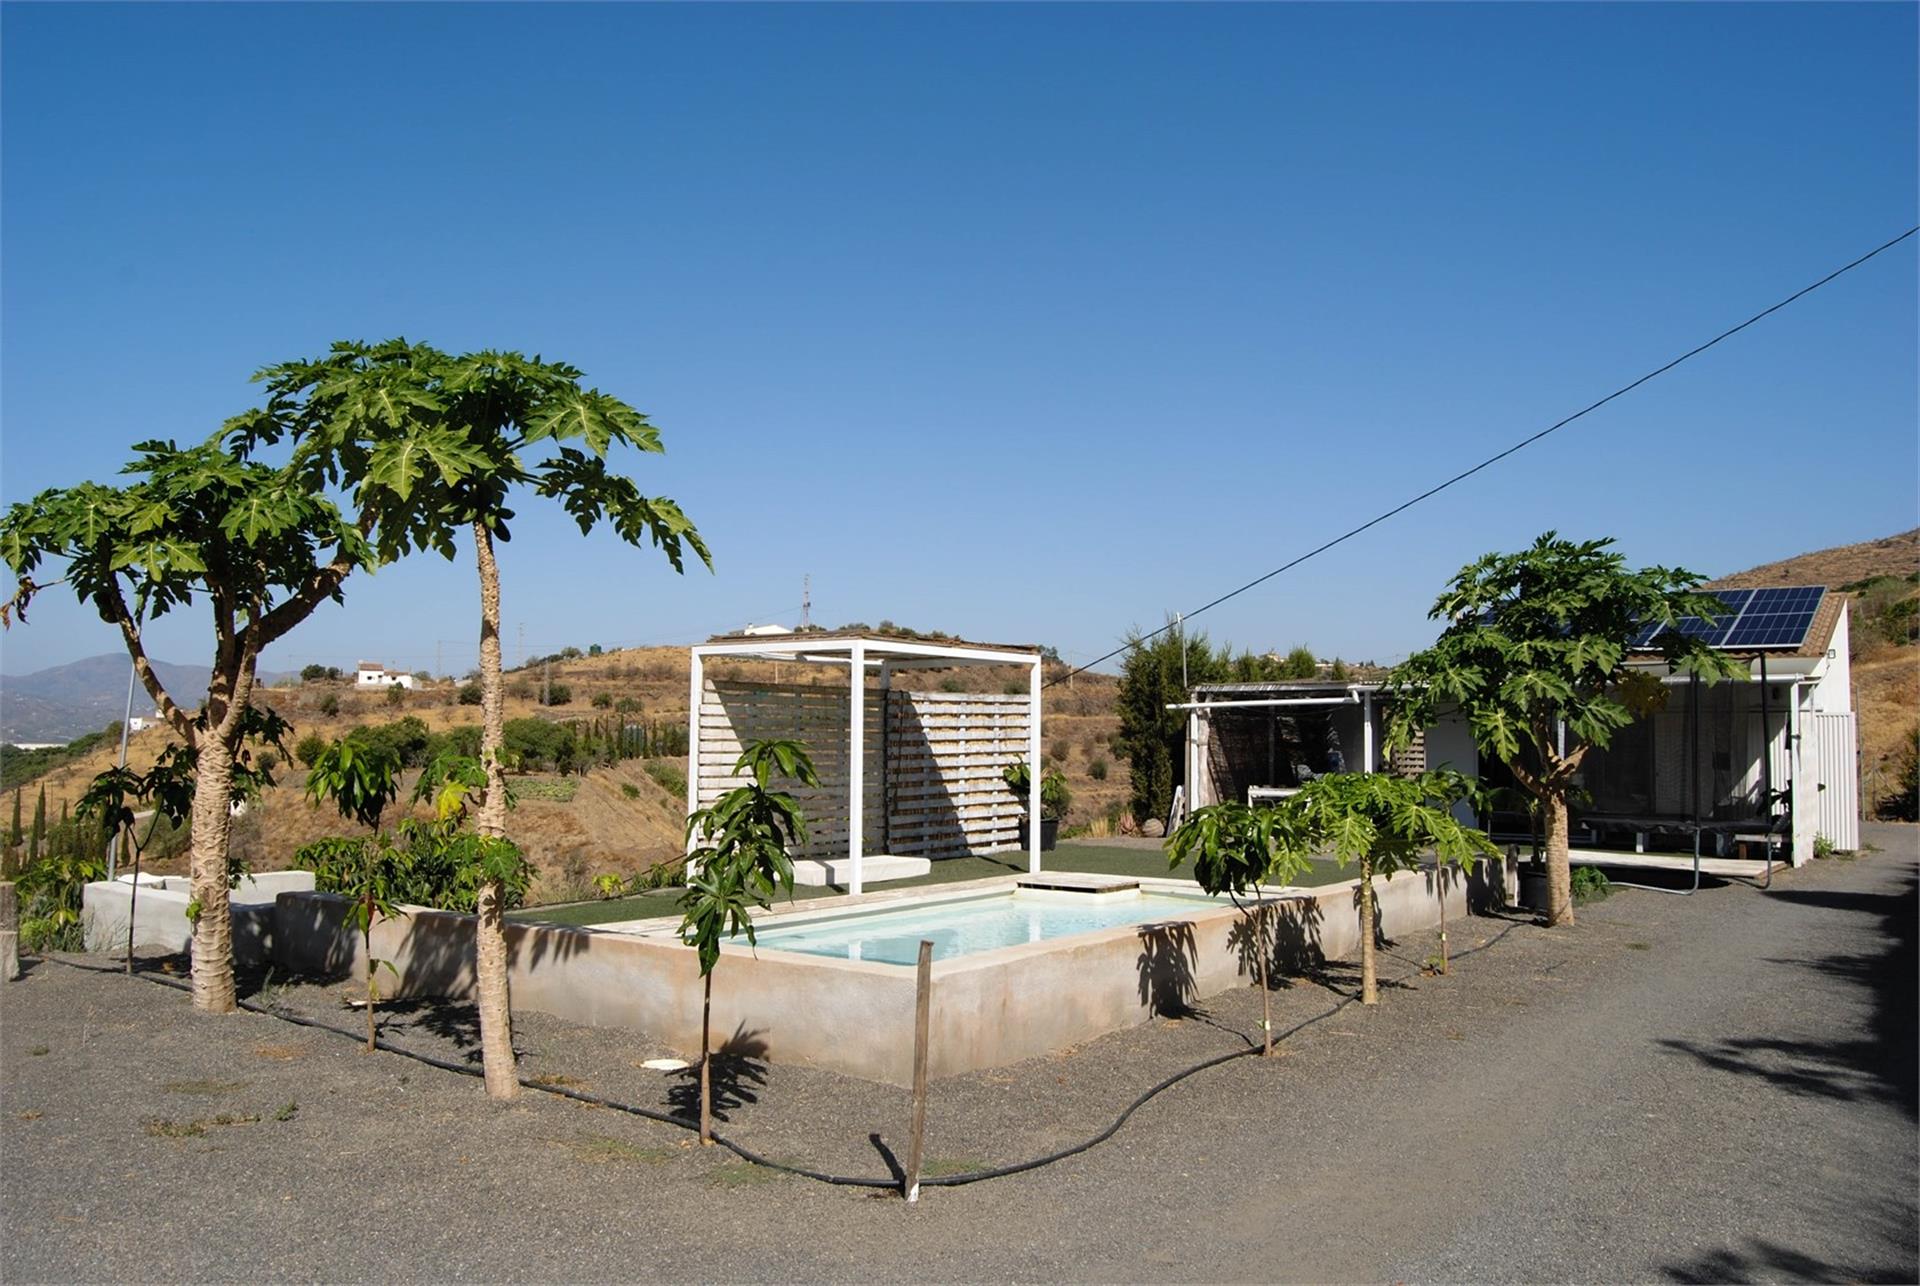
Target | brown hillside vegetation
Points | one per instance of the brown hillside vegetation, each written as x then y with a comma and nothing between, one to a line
620,818
1886,663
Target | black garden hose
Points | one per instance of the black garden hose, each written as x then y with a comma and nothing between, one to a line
748,1154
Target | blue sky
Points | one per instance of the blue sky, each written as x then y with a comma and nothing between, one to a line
1027,323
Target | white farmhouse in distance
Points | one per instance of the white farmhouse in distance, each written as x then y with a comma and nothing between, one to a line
757,630
372,674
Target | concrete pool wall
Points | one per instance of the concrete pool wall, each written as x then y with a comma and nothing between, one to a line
856,1017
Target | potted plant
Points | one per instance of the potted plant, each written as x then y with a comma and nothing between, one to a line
1054,798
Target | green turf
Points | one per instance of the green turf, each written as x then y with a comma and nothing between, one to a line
1095,859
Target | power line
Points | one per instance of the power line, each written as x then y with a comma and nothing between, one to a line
1522,444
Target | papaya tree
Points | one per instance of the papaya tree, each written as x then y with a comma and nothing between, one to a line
257,546
1235,849
1385,823
431,446
360,781
737,861
1536,643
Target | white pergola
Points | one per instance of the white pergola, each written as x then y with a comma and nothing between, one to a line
861,654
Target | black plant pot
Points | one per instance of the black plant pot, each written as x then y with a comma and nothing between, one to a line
1533,886
1049,832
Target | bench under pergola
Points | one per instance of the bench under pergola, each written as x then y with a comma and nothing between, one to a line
906,776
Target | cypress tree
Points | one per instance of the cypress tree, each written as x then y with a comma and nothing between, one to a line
39,826
13,835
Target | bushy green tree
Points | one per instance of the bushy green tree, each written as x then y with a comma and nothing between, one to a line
1539,640
258,544
1152,736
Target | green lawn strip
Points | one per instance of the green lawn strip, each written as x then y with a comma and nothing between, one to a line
1094,859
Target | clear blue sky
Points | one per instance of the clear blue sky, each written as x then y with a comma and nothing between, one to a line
1025,323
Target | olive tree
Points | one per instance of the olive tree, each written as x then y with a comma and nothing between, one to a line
1537,642
254,543
433,445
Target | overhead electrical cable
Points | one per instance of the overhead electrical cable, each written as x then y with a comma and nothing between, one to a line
1491,460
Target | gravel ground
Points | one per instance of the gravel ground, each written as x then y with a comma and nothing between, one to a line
1708,1088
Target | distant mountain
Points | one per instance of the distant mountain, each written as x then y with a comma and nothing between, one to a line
66,701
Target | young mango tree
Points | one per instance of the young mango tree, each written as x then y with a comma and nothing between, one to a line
1235,849
738,862
433,445
1384,823
360,781
252,541
1537,642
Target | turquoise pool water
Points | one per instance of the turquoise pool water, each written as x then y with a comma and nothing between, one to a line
975,924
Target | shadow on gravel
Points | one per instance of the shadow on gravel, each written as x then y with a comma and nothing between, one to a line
1763,1260
456,1022
739,1073
1881,1065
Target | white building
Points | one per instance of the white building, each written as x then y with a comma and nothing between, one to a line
372,674
1770,753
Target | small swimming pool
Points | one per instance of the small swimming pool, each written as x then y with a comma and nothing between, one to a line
971,925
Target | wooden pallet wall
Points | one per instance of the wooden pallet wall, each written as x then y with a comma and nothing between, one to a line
933,784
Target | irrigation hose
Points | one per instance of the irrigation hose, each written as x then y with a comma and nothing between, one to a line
748,1154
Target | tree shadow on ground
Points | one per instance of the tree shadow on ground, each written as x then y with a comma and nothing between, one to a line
452,1022
1760,1260
738,1074
1882,1064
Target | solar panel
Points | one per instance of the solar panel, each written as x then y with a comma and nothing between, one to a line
1776,618
1710,631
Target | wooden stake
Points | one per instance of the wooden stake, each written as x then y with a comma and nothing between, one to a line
922,1007
9,933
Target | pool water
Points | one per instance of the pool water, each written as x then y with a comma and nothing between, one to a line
975,924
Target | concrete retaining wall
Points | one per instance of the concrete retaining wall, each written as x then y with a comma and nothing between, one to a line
857,1017
159,913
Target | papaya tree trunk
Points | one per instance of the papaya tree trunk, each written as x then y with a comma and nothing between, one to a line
1369,979
490,940
133,900
213,991
1559,867
706,1059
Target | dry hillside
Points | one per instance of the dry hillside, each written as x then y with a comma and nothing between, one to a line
620,819
1886,670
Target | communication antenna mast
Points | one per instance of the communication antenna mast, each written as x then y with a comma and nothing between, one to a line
806,600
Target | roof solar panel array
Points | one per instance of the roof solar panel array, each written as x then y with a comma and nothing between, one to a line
1777,617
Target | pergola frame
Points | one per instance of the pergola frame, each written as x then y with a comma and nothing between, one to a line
862,653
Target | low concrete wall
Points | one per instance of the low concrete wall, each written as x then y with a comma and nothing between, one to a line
159,913
857,1017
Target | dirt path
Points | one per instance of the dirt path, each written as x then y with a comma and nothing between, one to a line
1707,1088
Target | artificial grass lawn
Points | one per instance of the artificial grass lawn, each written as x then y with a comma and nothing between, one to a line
1094,859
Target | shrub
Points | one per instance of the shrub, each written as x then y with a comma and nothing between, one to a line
329,705
309,749
1902,803
520,691
1097,770
1057,751
627,705
559,694
608,885
470,694
405,740
266,761
461,739
537,743
603,701
630,790
396,695
1590,885
952,684
668,774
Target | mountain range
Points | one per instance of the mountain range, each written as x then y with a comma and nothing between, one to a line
66,701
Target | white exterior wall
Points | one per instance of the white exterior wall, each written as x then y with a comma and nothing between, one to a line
382,679
1833,693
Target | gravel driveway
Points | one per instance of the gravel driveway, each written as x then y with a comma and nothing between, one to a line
1706,1088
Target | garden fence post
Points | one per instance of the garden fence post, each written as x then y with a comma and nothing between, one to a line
923,994
9,933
